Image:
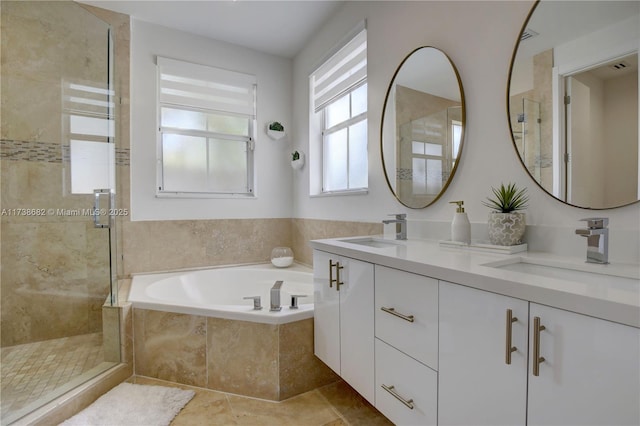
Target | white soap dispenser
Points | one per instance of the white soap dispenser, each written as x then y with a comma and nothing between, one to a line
460,227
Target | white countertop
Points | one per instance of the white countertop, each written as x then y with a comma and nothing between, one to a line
606,300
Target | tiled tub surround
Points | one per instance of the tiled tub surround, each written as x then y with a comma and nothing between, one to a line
218,341
269,361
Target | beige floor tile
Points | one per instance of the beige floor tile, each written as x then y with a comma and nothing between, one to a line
31,370
308,409
206,408
353,408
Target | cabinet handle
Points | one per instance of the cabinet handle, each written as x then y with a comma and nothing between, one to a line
393,312
392,391
509,348
537,359
338,269
331,280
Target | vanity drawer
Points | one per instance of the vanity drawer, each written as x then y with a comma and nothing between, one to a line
405,379
406,313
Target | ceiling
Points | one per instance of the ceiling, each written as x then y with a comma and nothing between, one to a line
279,28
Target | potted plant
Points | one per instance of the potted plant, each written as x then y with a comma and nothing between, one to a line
297,160
506,222
275,130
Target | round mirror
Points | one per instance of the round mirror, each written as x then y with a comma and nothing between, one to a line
422,129
572,101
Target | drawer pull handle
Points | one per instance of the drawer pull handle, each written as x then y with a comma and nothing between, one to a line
392,391
510,348
537,359
393,312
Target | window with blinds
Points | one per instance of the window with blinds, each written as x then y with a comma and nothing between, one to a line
339,92
206,120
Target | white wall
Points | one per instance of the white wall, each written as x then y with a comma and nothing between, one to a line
274,102
479,37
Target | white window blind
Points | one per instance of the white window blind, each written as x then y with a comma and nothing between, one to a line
199,86
344,70
206,118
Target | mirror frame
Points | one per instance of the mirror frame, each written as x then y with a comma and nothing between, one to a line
462,136
513,142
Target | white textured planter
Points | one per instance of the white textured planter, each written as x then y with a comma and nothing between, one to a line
506,229
275,134
299,163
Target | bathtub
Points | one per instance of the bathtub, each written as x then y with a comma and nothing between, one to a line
219,292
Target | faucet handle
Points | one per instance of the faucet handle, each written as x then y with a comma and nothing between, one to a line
256,302
294,300
399,216
596,222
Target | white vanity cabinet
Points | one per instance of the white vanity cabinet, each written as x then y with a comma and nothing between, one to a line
406,347
343,319
590,374
476,385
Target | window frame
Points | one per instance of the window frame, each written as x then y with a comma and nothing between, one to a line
346,124
249,141
340,73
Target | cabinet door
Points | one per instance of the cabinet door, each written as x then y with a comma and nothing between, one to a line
326,315
590,374
407,391
407,313
476,385
357,326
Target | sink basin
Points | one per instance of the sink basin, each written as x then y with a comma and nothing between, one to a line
372,242
586,273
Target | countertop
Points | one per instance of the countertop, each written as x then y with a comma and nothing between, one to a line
606,299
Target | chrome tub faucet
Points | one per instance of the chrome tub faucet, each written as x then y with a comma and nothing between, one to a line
401,225
275,296
597,235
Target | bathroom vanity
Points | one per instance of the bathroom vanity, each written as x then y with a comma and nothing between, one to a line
434,335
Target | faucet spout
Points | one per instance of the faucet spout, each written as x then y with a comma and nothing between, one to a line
401,225
275,297
597,235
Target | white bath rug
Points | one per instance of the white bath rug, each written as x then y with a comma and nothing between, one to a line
129,404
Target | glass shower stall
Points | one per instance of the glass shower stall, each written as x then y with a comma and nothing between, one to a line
58,180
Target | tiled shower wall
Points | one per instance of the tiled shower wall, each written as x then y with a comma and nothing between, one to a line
55,273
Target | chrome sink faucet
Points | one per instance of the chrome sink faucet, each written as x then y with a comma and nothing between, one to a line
597,235
401,225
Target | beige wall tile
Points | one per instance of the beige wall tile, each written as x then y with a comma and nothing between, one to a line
166,245
300,369
242,357
170,346
304,230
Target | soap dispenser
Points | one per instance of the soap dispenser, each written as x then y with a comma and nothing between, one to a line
460,227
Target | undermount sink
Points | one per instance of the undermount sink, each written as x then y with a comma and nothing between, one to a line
371,242
586,273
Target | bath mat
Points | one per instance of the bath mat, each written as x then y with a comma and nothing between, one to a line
129,404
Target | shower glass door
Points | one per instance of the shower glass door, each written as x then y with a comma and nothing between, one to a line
57,147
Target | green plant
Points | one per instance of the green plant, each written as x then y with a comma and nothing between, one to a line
276,126
295,156
507,199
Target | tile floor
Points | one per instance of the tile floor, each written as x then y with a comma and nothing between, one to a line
29,371
332,405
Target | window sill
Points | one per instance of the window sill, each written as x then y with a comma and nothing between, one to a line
364,191
204,195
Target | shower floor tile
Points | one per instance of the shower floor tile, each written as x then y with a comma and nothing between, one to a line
30,371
